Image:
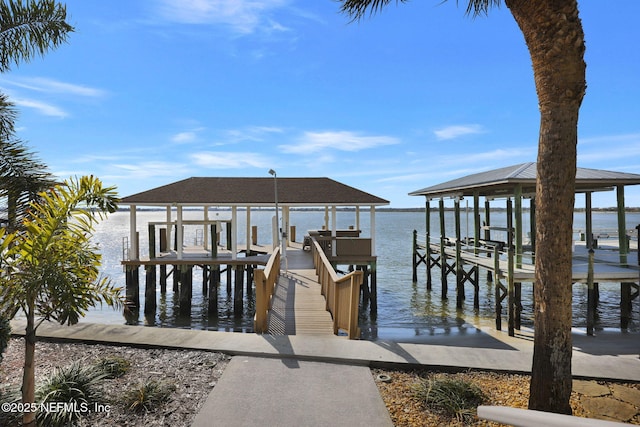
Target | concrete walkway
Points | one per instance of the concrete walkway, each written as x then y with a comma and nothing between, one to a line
307,374
291,393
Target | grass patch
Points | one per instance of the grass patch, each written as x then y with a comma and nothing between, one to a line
148,397
453,397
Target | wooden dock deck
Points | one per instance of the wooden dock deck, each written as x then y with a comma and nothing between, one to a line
298,307
607,267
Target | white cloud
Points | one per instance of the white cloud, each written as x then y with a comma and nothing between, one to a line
144,170
452,132
243,16
313,142
43,84
92,158
184,137
229,160
42,107
595,150
251,133
487,159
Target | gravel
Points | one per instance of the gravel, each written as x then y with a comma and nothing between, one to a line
397,389
193,373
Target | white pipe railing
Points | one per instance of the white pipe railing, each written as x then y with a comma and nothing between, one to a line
528,418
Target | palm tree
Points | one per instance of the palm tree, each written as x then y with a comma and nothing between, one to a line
553,33
50,270
22,176
30,28
27,29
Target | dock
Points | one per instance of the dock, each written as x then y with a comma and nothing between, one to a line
216,248
298,306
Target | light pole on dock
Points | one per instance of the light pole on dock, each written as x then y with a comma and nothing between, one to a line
275,186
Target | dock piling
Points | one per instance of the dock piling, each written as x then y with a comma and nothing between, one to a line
186,281
150,290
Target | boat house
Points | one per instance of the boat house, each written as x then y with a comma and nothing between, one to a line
509,259
167,246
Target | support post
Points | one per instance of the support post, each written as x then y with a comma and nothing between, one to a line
415,256
205,278
150,291
591,300
497,287
132,285
427,210
487,231
625,304
238,290
476,222
214,284
518,227
443,255
373,283
186,289
588,220
179,233
163,279
622,226
510,261
459,267
214,240
152,241
176,278
133,236
248,231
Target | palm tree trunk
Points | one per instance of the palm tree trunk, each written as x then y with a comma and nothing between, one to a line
28,375
553,33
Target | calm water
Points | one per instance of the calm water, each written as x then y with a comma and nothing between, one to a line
406,310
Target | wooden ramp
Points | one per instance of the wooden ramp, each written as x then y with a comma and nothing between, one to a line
298,307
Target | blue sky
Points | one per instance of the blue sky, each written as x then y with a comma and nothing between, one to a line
149,92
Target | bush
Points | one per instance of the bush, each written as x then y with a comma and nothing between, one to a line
452,397
113,366
75,385
8,418
5,334
148,396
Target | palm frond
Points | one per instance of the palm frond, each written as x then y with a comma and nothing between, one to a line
30,28
53,258
8,116
480,7
22,178
357,9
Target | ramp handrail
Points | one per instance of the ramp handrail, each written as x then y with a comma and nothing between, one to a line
265,280
341,293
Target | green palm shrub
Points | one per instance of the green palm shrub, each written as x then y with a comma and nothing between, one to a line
148,396
76,386
5,334
113,366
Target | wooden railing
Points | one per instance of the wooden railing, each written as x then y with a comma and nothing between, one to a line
265,280
341,293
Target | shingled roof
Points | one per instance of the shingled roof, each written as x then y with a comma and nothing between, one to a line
254,192
502,182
